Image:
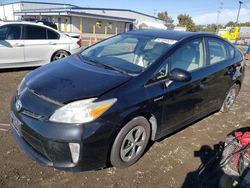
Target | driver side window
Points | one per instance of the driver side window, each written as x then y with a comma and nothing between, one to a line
189,57
10,32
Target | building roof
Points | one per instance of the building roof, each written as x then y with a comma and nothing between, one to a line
82,8
69,12
153,25
113,9
38,2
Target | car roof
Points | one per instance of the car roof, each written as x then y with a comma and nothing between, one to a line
26,23
168,34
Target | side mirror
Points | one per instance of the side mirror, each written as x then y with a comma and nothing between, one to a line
180,75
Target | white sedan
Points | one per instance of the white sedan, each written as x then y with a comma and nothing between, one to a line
26,44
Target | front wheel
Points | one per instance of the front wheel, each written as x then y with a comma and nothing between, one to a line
130,143
230,98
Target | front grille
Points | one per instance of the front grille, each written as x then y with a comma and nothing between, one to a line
35,143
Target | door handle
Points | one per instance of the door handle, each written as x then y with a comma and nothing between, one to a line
203,83
18,45
52,43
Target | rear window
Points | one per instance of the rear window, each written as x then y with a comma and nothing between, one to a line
217,51
52,34
231,51
34,33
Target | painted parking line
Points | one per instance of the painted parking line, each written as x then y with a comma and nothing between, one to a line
4,124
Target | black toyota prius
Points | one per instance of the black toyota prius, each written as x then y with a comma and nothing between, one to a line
103,106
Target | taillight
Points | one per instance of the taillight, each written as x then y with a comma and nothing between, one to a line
79,42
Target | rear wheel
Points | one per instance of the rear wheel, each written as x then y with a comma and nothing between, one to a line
130,143
230,98
59,55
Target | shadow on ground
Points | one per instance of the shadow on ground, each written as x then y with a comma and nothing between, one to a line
208,173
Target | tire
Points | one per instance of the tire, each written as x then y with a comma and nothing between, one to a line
230,98
59,55
130,143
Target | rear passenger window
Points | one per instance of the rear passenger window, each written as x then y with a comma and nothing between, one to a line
35,33
52,35
231,51
10,32
217,51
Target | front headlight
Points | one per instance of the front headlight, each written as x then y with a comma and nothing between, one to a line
82,111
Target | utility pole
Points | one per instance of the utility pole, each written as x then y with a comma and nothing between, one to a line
218,15
237,19
155,12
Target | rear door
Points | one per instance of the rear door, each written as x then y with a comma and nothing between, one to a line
220,68
11,46
38,48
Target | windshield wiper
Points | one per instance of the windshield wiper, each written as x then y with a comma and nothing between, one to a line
105,65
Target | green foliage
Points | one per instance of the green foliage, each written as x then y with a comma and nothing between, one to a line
164,16
186,21
230,24
211,28
247,24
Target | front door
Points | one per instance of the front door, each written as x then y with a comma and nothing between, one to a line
185,100
11,46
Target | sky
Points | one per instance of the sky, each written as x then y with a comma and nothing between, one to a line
202,11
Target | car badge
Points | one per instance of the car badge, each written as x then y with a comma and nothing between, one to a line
18,105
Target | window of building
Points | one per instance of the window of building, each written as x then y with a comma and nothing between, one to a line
98,24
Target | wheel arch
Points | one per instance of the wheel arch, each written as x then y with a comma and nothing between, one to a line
238,82
149,117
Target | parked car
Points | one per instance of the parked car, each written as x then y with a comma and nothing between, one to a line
102,106
73,35
26,44
50,24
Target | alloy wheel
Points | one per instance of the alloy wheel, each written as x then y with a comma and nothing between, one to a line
231,96
133,143
59,55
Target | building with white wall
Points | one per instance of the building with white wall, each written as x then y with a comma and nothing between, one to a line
70,18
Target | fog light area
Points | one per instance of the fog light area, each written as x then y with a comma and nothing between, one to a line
75,151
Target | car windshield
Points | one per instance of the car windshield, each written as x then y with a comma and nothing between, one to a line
129,53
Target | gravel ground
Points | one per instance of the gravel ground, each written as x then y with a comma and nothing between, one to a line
170,162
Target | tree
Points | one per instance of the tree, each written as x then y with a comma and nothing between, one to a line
164,16
246,24
230,24
186,21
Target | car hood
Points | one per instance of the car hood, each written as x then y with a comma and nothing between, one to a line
72,78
